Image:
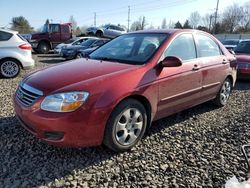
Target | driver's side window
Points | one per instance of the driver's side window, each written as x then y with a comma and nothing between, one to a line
54,29
183,47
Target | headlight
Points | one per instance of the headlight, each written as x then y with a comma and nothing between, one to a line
64,102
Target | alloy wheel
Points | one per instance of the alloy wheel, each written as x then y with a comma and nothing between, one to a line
129,126
225,92
9,69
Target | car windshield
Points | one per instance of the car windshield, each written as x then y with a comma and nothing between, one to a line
134,49
243,47
70,41
230,42
88,42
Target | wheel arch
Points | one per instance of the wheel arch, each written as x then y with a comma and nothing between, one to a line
12,58
145,102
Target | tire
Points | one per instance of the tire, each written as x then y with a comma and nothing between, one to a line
43,48
9,68
126,126
224,93
78,56
99,33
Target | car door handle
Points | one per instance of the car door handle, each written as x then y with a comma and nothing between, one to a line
225,61
196,67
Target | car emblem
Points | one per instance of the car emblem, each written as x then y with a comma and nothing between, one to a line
20,95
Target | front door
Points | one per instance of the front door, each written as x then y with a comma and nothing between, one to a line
180,87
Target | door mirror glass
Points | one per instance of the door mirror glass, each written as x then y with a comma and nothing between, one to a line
171,61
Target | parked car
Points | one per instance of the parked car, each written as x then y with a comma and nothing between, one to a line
135,79
15,53
230,44
81,53
50,37
243,57
71,42
109,31
71,52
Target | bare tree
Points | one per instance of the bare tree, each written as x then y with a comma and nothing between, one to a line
245,20
231,18
164,24
194,19
73,22
139,24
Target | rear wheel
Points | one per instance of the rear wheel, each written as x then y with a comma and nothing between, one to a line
43,48
224,93
9,68
99,34
126,126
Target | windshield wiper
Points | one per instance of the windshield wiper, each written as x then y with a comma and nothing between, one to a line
107,59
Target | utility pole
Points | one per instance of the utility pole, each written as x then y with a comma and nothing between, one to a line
95,19
215,16
210,22
128,17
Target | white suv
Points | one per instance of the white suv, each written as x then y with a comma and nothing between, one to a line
15,53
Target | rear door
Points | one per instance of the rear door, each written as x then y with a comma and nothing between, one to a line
215,65
179,87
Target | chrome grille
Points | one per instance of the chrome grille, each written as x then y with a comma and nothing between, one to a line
27,95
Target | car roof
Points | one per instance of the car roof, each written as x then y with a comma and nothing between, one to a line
8,31
167,31
245,40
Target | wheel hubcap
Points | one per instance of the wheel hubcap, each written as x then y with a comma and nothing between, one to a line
9,69
225,92
129,126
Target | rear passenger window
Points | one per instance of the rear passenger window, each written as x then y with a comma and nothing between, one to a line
183,47
207,47
4,36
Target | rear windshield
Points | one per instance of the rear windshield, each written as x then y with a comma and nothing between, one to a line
230,42
243,47
4,36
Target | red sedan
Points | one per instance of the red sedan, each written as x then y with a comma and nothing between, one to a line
135,79
243,58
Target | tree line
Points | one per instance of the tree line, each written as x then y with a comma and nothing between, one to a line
233,19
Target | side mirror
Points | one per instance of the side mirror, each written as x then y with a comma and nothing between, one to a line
231,51
171,61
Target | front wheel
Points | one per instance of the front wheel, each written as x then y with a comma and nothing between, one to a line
43,48
9,68
79,56
224,93
126,126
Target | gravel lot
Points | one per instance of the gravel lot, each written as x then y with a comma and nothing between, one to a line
199,147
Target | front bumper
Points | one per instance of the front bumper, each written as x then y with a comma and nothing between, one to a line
57,50
67,55
34,44
73,129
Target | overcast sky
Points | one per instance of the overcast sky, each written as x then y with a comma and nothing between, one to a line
107,11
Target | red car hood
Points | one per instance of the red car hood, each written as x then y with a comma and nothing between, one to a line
59,76
243,58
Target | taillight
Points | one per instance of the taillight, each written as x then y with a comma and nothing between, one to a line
25,46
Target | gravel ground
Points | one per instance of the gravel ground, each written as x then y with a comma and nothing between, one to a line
199,147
